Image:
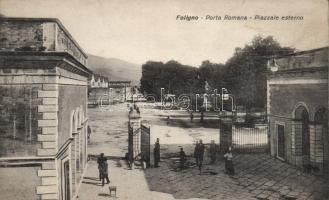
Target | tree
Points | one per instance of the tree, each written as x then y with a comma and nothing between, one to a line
245,72
174,77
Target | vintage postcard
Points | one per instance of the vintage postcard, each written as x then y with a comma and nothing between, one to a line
164,99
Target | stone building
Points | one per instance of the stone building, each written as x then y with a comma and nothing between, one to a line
297,106
43,106
98,81
98,90
120,90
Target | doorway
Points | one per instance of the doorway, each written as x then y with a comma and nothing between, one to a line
66,185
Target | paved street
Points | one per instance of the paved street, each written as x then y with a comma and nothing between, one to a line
258,176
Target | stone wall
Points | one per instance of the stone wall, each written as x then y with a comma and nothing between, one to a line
71,97
23,178
38,35
283,98
21,36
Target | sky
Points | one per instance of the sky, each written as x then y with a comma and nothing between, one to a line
140,30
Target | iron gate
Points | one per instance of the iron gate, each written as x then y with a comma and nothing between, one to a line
145,144
249,140
139,140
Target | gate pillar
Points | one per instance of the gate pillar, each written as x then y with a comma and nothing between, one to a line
134,135
316,146
296,142
225,129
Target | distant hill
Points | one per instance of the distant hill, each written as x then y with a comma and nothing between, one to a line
115,69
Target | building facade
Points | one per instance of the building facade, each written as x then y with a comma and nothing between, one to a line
297,107
120,91
98,90
98,81
43,106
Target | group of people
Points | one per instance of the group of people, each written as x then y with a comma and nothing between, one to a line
103,169
199,151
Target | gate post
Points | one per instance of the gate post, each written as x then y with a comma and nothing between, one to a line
134,137
225,127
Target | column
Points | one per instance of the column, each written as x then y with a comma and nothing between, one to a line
134,143
296,142
225,128
316,146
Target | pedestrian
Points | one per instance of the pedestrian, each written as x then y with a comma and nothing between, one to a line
100,161
130,159
191,116
202,114
156,153
212,152
229,167
104,172
88,132
196,153
168,118
182,158
200,154
144,160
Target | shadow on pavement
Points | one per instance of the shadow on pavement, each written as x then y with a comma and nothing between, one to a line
107,195
91,178
91,183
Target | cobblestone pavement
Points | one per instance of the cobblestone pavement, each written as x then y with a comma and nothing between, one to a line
258,176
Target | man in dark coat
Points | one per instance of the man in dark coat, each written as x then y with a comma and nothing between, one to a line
89,132
196,153
182,158
156,153
200,154
212,152
100,160
104,172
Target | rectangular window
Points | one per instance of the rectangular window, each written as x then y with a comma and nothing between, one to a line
19,121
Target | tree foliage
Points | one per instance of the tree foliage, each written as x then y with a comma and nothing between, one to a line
244,74
174,77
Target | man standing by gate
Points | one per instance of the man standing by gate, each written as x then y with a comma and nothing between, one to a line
200,154
156,153
196,153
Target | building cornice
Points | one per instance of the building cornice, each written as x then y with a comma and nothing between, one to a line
54,59
298,72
